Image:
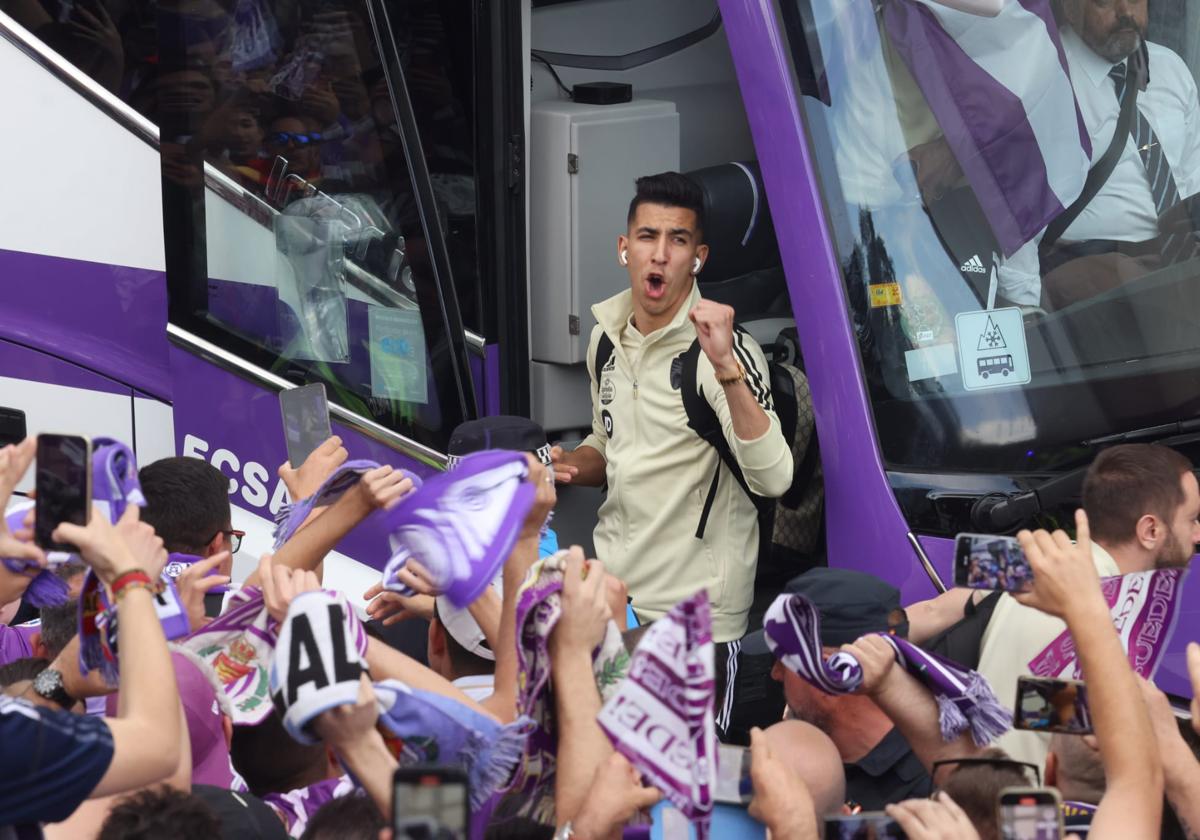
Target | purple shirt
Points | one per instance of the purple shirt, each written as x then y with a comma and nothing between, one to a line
14,641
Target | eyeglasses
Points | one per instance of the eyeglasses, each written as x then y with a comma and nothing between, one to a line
235,539
1021,766
291,138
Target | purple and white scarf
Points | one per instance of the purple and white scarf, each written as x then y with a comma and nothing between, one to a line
539,606
661,715
461,525
238,646
45,589
1144,607
296,807
792,627
292,515
423,727
178,563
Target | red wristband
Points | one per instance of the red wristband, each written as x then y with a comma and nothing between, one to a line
132,576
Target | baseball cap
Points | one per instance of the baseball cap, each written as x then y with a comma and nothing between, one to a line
851,604
463,627
502,431
243,816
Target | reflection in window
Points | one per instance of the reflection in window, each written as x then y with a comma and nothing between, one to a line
310,256
950,145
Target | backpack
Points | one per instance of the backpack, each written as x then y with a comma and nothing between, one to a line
795,519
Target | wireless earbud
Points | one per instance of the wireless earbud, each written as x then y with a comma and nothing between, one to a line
696,266
624,256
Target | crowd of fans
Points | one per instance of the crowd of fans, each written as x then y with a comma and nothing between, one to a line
169,741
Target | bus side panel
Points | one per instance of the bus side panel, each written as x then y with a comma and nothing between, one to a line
236,426
81,236
865,528
58,396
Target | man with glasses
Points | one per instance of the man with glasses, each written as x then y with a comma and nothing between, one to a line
187,503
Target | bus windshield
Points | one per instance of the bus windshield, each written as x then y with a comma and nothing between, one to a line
1002,319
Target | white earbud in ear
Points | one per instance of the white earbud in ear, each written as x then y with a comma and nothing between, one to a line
696,266
624,256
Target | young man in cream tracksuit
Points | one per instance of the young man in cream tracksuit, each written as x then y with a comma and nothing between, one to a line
659,472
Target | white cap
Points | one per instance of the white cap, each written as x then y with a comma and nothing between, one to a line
463,627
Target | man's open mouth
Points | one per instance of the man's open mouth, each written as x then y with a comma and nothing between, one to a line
656,285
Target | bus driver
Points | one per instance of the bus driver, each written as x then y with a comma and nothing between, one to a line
663,479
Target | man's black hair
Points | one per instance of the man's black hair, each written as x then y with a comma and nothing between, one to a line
21,669
154,813
187,502
272,761
59,626
464,662
351,817
670,189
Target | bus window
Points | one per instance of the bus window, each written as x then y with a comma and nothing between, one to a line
296,235
946,148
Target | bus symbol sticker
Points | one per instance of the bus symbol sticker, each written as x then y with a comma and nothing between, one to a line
991,348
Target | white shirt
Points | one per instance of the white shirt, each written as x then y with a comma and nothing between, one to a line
478,687
1124,208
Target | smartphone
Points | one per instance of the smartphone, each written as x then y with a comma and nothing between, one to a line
430,802
733,775
1051,705
869,825
63,481
305,421
983,561
1030,814
12,426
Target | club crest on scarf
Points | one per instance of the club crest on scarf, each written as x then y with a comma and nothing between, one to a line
965,700
461,525
661,715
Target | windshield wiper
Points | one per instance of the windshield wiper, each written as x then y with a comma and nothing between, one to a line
998,513
1148,433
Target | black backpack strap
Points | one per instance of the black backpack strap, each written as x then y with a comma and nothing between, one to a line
604,351
703,421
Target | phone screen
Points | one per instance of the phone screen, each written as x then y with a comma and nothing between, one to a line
64,487
982,561
1047,705
871,825
430,803
305,421
1033,815
733,775
12,426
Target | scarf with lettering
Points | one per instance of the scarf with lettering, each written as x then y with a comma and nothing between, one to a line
661,715
539,607
965,700
1144,606
422,727
293,514
238,645
461,525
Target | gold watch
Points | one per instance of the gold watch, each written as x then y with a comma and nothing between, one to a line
730,380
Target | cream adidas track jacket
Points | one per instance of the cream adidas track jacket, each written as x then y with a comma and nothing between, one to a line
659,471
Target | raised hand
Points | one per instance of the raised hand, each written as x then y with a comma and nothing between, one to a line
933,819
195,582
383,487
781,800
280,584
391,607
714,330
559,462
876,657
585,610
112,550
615,796
1064,577
318,466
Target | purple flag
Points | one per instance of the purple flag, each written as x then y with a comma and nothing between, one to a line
1145,607
1013,124
661,716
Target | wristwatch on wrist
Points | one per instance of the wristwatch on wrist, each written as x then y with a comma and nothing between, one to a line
733,378
49,684
565,833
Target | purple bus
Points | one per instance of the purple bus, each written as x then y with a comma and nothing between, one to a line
417,204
